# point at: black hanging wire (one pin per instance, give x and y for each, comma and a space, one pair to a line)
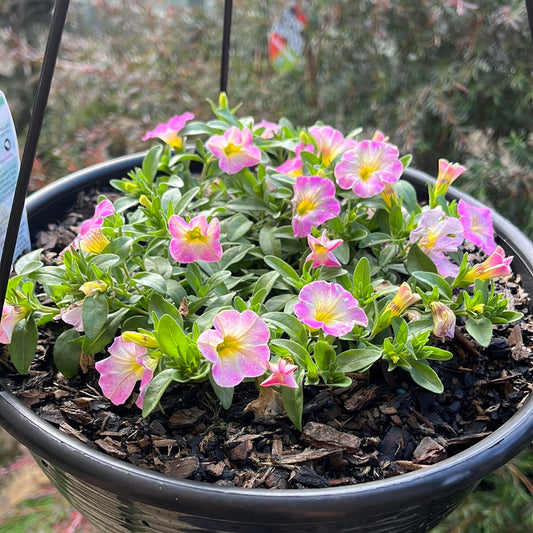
224, 61
529, 9
32, 139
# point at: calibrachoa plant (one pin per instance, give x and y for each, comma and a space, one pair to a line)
246, 250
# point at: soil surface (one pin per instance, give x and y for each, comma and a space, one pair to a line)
382, 425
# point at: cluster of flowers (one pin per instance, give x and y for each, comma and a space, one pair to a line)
290, 256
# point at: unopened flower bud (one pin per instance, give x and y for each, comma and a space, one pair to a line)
443, 320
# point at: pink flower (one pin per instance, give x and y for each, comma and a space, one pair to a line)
270, 129
72, 315
330, 143
237, 347
443, 320
313, 203
196, 240
90, 237
11, 316
477, 225
403, 299
495, 266
437, 234
322, 251
293, 167
448, 173
169, 132
368, 168
119, 372
329, 306
282, 372
234, 150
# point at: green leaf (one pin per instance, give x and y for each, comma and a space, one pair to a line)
67, 353
156, 388
105, 336
293, 348
425, 376
480, 329
24, 340
432, 279
152, 281
293, 401
270, 245
287, 323
418, 260
94, 314
159, 306
324, 355
171, 338
283, 268
224, 394
185, 200
357, 360
150, 163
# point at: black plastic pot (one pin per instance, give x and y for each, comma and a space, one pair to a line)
117, 497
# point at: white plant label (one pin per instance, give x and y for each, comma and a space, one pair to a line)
9, 170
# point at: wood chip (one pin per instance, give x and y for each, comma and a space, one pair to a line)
429, 452
182, 468
324, 436
111, 447
185, 417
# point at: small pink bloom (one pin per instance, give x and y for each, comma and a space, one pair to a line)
11, 316
322, 251
293, 167
313, 203
237, 347
270, 129
436, 234
443, 320
72, 315
234, 150
329, 306
477, 225
368, 168
495, 266
119, 372
330, 143
168, 132
282, 372
90, 237
448, 173
380, 137
196, 240
403, 299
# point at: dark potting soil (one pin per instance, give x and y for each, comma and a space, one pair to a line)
383, 425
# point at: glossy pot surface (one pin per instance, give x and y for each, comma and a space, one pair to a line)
118, 497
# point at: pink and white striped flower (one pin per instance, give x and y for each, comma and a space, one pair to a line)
234, 150
328, 306
313, 203
368, 167
322, 251
437, 234
11, 316
477, 225
237, 347
495, 266
282, 374
194, 240
127, 364
330, 143
168, 132
448, 173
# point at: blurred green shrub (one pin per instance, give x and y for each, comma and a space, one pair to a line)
439, 83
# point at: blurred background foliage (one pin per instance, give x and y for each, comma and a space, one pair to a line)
442, 78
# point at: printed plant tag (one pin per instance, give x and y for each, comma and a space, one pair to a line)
9, 170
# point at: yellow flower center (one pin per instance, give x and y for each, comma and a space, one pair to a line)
228, 347
196, 235
366, 172
305, 206
232, 149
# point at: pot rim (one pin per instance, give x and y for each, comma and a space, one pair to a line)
465, 468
